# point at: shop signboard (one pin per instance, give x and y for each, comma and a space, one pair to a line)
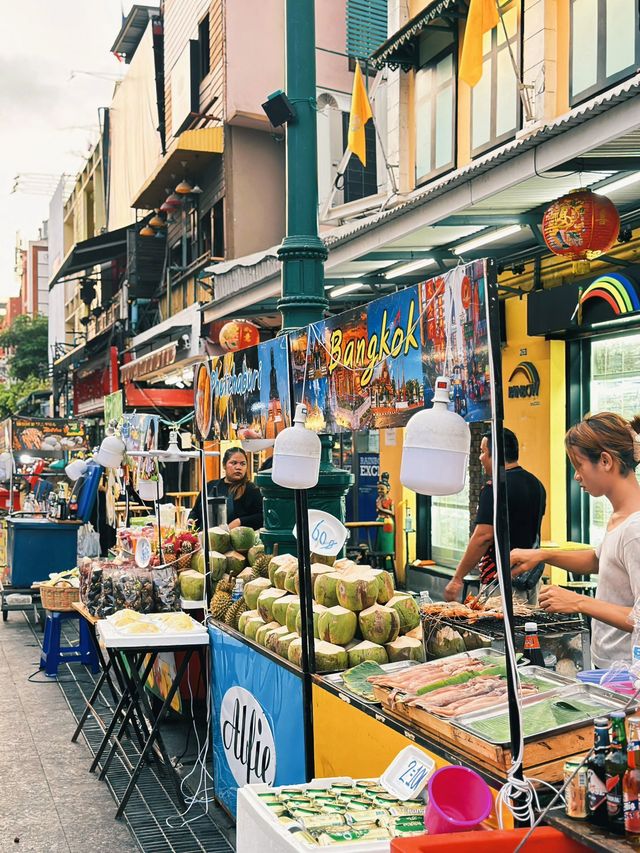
249, 390
372, 367
113, 406
257, 705
368, 476
47, 436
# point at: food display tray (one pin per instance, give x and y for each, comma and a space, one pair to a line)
337, 681
574, 691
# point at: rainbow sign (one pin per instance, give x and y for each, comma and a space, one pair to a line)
615, 289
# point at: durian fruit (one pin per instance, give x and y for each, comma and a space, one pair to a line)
227, 584
233, 613
220, 602
261, 566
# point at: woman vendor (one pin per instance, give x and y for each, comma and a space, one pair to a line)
244, 501
604, 449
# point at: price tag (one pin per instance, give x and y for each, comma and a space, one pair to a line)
408, 773
327, 535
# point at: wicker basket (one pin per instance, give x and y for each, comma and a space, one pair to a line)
59, 597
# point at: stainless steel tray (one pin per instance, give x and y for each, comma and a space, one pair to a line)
337, 681
553, 678
575, 690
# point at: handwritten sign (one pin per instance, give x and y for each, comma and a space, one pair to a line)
408, 773
247, 738
327, 535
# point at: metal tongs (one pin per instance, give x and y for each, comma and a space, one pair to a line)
476, 602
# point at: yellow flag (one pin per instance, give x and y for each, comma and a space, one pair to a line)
481, 17
360, 115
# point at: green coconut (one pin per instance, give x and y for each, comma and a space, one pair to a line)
253, 589
219, 539
407, 609
294, 651
290, 579
279, 608
317, 569
263, 631
386, 589
254, 552
405, 648
197, 562
330, 657
322, 558
283, 642
192, 585
379, 624
280, 576
217, 564
242, 538
343, 564
324, 589
366, 650
275, 635
265, 603
444, 642
357, 589
236, 562
317, 610
244, 618
277, 562
292, 613
337, 625
251, 626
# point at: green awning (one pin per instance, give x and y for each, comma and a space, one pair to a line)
401, 49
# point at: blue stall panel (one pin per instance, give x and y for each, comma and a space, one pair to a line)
257, 721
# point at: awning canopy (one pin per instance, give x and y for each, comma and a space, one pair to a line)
89, 253
132, 30
150, 363
193, 150
401, 50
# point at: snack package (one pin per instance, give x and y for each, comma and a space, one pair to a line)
92, 588
166, 589
133, 590
107, 604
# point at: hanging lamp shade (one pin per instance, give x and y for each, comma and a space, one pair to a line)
296, 455
147, 231
435, 455
174, 199
156, 221
581, 225
184, 187
238, 334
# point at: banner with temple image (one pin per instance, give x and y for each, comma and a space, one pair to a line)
250, 395
372, 367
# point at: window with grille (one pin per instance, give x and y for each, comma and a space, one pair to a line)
366, 26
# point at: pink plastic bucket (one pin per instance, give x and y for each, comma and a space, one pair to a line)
459, 800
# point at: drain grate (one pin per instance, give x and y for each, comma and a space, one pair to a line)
151, 803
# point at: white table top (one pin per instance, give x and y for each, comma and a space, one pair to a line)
111, 638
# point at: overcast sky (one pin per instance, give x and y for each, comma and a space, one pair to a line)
49, 117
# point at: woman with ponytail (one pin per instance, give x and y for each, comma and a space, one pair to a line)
604, 450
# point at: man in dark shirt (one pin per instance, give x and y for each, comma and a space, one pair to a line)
526, 503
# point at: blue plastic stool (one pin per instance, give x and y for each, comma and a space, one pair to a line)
53, 654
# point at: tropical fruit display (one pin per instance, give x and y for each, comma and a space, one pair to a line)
357, 589
236, 562
242, 538
252, 590
337, 625
191, 585
405, 648
266, 600
317, 610
407, 609
379, 624
360, 652
219, 539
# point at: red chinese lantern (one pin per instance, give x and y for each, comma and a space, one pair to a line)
238, 334
581, 225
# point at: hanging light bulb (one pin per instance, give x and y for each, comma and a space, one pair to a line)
156, 221
147, 231
296, 454
436, 448
184, 187
196, 190
112, 449
173, 453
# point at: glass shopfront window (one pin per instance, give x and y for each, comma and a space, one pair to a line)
614, 387
450, 527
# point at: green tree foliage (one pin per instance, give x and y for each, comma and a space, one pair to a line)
27, 337
13, 392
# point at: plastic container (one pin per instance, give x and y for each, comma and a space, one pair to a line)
459, 800
619, 682
543, 839
408, 774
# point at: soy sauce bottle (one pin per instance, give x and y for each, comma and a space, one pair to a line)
616, 766
532, 650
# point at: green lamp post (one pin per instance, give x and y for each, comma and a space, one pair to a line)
302, 254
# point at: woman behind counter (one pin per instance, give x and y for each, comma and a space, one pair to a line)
244, 501
604, 449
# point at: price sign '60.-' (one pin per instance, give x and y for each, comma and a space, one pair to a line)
327, 535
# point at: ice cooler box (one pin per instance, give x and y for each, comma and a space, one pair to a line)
36, 547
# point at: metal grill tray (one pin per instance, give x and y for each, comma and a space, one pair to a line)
573, 691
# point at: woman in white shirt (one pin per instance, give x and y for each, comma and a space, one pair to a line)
604, 449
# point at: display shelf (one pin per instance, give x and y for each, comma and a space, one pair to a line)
591, 836
436, 747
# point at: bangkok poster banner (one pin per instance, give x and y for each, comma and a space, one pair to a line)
374, 366
250, 393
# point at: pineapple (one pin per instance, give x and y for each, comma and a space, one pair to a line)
261, 566
233, 613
